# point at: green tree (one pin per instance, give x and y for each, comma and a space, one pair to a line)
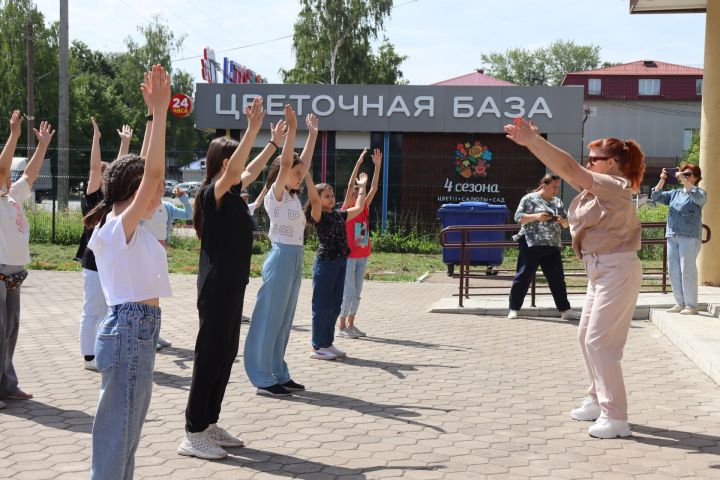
692, 155
332, 44
542, 66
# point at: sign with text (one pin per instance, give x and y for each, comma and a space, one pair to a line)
180, 105
395, 108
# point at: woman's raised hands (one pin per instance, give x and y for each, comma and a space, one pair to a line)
156, 88
15, 123
45, 133
522, 132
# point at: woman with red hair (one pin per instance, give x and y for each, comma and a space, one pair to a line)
606, 236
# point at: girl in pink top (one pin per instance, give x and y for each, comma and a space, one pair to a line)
606, 236
358, 238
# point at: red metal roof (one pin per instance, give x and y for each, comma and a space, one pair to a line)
643, 67
476, 79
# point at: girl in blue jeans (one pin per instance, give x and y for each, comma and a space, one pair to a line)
683, 232
132, 267
330, 263
358, 237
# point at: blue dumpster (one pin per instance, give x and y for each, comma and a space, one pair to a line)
474, 213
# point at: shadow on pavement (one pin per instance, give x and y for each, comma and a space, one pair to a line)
49, 416
662, 437
295, 467
396, 369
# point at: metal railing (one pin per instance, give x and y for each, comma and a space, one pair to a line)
466, 244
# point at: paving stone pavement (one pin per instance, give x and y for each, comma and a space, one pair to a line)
425, 396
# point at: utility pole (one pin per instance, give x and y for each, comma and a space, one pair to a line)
30, 115
63, 171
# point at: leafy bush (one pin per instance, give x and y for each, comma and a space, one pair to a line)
652, 213
68, 226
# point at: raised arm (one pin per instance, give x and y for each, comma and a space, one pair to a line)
236, 165
177, 213
311, 121
95, 173
125, 137
353, 176
556, 159
148, 124
359, 206
44, 136
254, 168
313, 198
8, 150
260, 198
286, 158
156, 93
377, 161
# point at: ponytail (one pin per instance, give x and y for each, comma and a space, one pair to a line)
546, 179
97, 214
120, 182
629, 156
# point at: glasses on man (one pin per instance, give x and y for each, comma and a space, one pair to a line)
594, 158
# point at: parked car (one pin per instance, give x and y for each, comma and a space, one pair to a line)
43, 183
191, 188
169, 186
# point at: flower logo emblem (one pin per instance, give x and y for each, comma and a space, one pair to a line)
472, 160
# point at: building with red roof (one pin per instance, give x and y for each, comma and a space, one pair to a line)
478, 78
656, 103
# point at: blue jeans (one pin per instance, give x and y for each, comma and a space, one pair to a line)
354, 277
682, 256
125, 356
328, 286
267, 339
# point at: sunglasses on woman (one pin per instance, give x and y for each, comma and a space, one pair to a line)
687, 174
593, 159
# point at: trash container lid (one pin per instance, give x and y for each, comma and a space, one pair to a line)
475, 205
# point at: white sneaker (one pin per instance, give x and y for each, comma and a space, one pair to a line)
606, 427
588, 410
220, 437
689, 311
513, 314
164, 343
570, 314
197, 445
357, 331
90, 365
338, 353
323, 354
346, 333
676, 309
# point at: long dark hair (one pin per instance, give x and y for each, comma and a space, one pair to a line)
219, 149
547, 179
275, 171
320, 187
121, 179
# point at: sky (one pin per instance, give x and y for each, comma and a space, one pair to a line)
441, 38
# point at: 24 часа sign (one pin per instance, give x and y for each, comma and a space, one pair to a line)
395, 108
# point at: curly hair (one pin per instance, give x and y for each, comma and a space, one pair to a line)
121, 179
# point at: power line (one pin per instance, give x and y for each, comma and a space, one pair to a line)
236, 48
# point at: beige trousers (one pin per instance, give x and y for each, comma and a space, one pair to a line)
613, 285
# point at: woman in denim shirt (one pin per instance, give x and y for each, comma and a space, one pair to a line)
683, 233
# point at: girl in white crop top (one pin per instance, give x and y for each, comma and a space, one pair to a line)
133, 272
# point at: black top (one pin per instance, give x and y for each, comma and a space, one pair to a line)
84, 255
225, 246
332, 237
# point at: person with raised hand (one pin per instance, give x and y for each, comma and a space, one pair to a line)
358, 236
125, 137
133, 272
272, 318
606, 237
331, 261
224, 226
14, 247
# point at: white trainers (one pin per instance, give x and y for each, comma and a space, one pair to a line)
338, 353
346, 333
689, 311
220, 437
606, 427
588, 410
198, 445
513, 314
323, 354
90, 365
357, 331
570, 314
676, 309
164, 343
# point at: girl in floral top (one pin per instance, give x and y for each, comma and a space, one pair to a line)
330, 263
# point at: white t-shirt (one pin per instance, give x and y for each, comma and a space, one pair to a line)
129, 272
14, 228
287, 220
252, 207
157, 225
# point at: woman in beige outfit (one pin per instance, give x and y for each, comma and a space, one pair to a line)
606, 237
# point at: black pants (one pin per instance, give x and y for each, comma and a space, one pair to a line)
215, 350
529, 259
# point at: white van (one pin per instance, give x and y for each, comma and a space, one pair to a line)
43, 183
